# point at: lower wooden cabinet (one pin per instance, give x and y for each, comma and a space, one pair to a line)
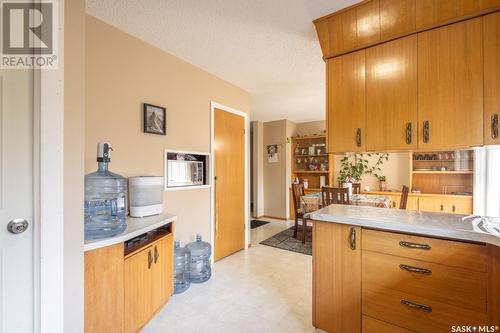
374, 281
148, 282
453, 204
103, 290
336, 277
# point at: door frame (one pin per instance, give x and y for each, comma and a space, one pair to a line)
214, 105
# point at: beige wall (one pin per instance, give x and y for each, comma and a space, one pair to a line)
396, 169
311, 127
275, 173
122, 73
74, 141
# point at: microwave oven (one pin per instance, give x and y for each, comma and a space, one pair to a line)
184, 173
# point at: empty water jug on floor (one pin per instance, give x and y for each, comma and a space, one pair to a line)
105, 198
182, 261
200, 260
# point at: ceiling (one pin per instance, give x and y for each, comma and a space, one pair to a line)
266, 47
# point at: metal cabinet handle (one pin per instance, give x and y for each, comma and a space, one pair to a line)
352, 239
453, 208
417, 306
409, 133
427, 130
441, 207
414, 269
358, 137
150, 259
494, 126
414, 245
157, 254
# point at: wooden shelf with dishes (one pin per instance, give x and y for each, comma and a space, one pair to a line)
311, 163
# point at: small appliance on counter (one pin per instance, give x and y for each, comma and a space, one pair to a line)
185, 170
146, 196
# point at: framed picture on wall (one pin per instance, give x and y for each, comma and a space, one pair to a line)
155, 119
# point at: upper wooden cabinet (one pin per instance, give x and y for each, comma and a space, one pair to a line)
391, 95
396, 17
450, 86
368, 22
374, 21
491, 44
346, 103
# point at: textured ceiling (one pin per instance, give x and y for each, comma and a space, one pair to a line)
266, 47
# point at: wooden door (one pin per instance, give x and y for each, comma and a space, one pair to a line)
346, 103
396, 17
491, 44
229, 172
391, 95
431, 204
336, 277
138, 289
450, 86
368, 22
431, 12
103, 289
162, 271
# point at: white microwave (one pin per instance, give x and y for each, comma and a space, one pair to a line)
184, 173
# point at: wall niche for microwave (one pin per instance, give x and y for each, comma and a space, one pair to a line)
186, 170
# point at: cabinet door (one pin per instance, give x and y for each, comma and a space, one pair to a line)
138, 289
450, 86
458, 205
431, 204
491, 46
368, 22
396, 17
346, 103
337, 277
431, 12
342, 31
391, 95
162, 271
104, 289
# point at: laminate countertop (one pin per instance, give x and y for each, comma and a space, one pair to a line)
135, 227
449, 226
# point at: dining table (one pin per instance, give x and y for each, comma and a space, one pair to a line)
312, 201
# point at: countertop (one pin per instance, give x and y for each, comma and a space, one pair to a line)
450, 226
135, 227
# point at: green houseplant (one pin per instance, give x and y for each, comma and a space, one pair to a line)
354, 166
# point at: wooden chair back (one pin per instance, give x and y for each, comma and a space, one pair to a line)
334, 195
356, 188
297, 192
404, 197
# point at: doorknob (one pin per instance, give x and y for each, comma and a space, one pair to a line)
17, 226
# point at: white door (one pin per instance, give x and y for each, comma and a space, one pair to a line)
16, 201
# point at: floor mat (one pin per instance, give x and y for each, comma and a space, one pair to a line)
285, 241
257, 223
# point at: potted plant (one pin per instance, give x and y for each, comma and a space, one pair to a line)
354, 166
382, 183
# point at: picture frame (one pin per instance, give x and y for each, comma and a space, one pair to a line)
154, 119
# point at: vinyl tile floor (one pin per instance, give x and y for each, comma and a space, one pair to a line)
262, 289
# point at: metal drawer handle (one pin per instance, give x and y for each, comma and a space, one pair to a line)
417, 306
409, 134
414, 245
414, 269
427, 130
358, 137
150, 259
157, 254
352, 239
494, 126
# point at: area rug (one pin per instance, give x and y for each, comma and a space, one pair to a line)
257, 223
285, 241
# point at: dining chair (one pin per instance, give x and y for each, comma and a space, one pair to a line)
297, 193
334, 195
356, 188
404, 197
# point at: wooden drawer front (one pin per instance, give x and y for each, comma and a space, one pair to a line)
371, 325
387, 305
454, 286
450, 253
